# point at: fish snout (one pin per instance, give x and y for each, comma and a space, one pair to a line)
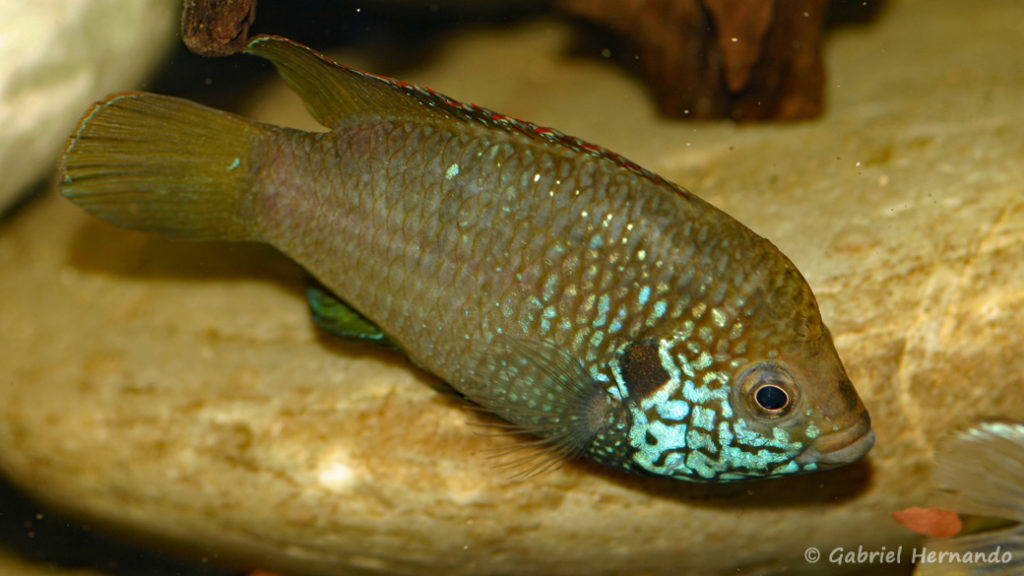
838, 448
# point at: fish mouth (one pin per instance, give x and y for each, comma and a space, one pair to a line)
840, 448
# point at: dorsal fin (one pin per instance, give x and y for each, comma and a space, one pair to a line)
336, 94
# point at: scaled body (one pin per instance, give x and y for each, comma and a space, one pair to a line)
558, 285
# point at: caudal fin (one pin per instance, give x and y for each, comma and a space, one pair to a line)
165, 165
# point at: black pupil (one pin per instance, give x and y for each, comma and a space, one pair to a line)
771, 397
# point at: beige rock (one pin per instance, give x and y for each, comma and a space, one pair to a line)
179, 390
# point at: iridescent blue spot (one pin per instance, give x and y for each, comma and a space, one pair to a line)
746, 436
724, 433
674, 462
787, 468
673, 410
703, 418
719, 317
780, 435
687, 330
638, 433
588, 302
603, 305
550, 287
668, 437
697, 440
643, 295
687, 367
700, 464
703, 394
659, 308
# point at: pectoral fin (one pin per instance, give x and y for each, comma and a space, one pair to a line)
542, 390
338, 319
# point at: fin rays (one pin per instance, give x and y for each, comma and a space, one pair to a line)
981, 471
543, 392
162, 164
333, 93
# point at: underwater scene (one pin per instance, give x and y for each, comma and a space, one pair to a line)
495, 287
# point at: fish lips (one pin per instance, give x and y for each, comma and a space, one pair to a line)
839, 448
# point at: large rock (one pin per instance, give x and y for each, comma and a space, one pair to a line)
179, 390
56, 57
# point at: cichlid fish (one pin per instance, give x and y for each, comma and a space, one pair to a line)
572, 293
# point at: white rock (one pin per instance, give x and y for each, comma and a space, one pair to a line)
57, 57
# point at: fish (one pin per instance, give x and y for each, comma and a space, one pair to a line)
979, 471
585, 301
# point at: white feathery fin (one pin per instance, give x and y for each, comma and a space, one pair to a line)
541, 390
981, 472
165, 165
333, 93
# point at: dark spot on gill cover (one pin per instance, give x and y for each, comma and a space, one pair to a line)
849, 395
641, 369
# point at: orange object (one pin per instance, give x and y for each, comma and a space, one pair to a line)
930, 521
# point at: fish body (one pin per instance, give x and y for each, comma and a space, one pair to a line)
560, 286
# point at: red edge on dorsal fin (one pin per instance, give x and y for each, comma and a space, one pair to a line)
495, 120
334, 92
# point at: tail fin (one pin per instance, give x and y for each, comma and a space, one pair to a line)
164, 165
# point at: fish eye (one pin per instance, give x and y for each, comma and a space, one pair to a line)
768, 389
771, 397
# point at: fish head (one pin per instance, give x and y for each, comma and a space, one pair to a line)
750, 388
800, 399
